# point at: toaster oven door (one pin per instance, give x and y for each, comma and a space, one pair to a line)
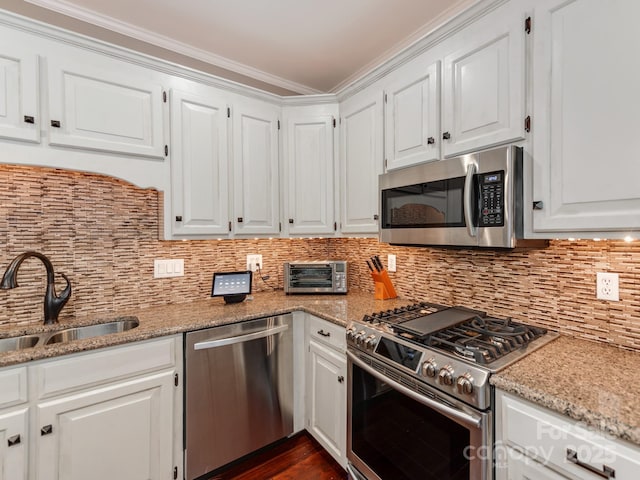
310, 278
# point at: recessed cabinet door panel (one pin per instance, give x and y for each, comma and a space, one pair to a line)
585, 152
19, 95
413, 118
129, 424
310, 175
199, 165
13, 444
256, 170
106, 110
483, 88
361, 163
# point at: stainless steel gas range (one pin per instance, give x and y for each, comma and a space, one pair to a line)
419, 399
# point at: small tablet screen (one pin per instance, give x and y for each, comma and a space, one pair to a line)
231, 283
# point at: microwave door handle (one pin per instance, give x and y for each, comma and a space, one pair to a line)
468, 200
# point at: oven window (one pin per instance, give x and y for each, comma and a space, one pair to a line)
401, 439
424, 205
311, 276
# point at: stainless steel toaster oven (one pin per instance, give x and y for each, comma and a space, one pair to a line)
326, 276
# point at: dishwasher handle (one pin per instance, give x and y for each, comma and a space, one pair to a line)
220, 342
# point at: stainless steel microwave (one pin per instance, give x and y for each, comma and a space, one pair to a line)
328, 276
473, 200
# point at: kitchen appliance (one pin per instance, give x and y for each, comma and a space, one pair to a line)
232, 286
470, 201
238, 391
419, 400
326, 276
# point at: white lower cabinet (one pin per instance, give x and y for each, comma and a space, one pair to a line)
114, 413
326, 408
13, 444
535, 443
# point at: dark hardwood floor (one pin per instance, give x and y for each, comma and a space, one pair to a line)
297, 458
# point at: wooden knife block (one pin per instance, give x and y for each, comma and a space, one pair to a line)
383, 286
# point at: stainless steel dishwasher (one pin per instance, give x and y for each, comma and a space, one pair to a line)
238, 391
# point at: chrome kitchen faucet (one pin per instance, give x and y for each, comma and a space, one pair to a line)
52, 302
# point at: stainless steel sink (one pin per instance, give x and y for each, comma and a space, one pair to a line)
89, 331
18, 343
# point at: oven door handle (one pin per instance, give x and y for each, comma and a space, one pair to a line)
468, 200
462, 417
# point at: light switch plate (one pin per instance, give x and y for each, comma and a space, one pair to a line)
166, 268
391, 263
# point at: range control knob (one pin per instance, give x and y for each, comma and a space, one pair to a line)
445, 376
370, 342
465, 384
430, 368
351, 333
360, 337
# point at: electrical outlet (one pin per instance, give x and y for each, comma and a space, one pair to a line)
391, 263
165, 268
607, 286
253, 261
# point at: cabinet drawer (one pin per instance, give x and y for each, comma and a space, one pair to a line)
327, 332
101, 366
14, 386
553, 439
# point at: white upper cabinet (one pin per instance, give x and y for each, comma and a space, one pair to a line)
361, 138
108, 106
199, 163
309, 162
483, 84
586, 72
412, 120
255, 168
19, 112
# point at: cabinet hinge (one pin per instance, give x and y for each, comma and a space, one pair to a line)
385, 163
278, 124
385, 98
176, 380
175, 473
228, 112
527, 25
164, 97
166, 150
335, 226
280, 226
334, 123
527, 124
229, 226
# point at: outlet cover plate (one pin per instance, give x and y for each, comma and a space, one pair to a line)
607, 286
391, 262
253, 261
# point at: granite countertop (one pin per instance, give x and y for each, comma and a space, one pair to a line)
592, 383
209, 312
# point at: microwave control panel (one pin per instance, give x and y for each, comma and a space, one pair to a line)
491, 199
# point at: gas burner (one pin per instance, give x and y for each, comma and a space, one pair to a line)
402, 314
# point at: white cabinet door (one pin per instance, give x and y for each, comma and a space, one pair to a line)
327, 399
310, 175
360, 164
412, 119
122, 431
255, 169
520, 467
199, 164
586, 72
19, 114
13, 444
483, 84
101, 104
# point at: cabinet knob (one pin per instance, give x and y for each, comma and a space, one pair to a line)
431, 141
375, 217
446, 136
46, 430
291, 220
29, 119
239, 219
55, 123
538, 205
340, 379
178, 218
15, 440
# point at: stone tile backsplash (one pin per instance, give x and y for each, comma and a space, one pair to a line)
103, 233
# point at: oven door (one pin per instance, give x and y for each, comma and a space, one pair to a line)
396, 433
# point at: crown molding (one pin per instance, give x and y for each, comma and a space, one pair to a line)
124, 28
320, 99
